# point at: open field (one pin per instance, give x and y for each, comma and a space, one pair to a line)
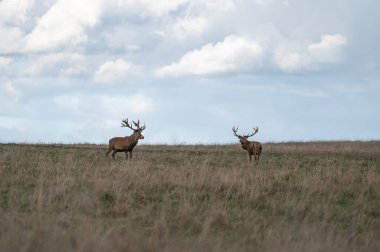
316, 196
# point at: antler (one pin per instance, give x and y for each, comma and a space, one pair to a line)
138, 125
255, 130
235, 131
124, 123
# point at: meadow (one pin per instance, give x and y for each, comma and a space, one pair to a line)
318, 196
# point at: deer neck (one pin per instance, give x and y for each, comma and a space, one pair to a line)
134, 137
245, 145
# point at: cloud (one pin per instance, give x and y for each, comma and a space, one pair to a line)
178, 20
140, 103
4, 62
14, 13
188, 26
156, 8
117, 70
67, 64
233, 54
106, 105
9, 91
64, 24
12, 41
330, 50
161, 8
269, 2
120, 106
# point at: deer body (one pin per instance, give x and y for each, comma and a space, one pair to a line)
252, 147
125, 144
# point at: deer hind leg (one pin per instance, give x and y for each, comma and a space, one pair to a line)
126, 155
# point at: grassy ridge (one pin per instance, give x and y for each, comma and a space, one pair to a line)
302, 197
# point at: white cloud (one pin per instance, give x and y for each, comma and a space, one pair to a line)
12, 41
140, 103
56, 62
186, 27
12, 12
288, 61
106, 105
4, 62
74, 71
9, 91
144, 8
213, 5
65, 23
122, 36
161, 8
233, 54
196, 19
117, 70
330, 50
269, 2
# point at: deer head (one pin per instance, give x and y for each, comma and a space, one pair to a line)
137, 130
244, 138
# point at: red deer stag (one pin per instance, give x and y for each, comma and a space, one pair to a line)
253, 148
126, 144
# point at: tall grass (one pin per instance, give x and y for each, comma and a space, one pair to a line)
301, 197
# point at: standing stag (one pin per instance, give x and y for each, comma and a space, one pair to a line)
126, 144
252, 147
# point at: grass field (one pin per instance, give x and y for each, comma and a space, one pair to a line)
318, 196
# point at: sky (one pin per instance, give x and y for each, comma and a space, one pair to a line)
71, 70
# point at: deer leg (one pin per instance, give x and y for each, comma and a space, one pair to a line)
130, 154
108, 151
126, 155
113, 154
256, 159
250, 157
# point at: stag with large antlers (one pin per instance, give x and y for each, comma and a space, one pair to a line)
126, 144
252, 147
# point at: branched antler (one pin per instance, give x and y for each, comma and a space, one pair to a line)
138, 125
124, 123
255, 130
235, 131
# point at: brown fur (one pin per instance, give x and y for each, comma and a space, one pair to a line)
252, 147
125, 144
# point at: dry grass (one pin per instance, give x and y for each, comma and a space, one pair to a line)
302, 197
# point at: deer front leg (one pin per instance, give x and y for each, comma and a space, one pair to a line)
126, 155
256, 158
108, 151
250, 157
113, 154
130, 154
